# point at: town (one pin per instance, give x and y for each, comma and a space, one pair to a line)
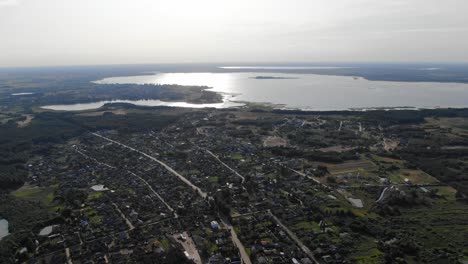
235, 187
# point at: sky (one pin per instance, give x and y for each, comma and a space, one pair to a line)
85, 32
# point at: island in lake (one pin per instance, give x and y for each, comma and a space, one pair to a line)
272, 78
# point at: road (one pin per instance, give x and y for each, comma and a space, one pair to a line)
133, 174
167, 167
244, 256
104, 236
225, 165
382, 194
341, 125
93, 159
67, 254
235, 239
293, 236
190, 247
306, 176
156, 193
129, 224
251, 213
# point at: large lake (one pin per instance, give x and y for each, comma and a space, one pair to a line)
305, 91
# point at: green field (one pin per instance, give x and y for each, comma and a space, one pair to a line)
33, 193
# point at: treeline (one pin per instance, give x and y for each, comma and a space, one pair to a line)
333, 157
17, 145
445, 165
129, 123
92, 92
386, 117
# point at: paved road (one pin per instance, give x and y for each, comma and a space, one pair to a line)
167, 167
307, 176
293, 236
235, 239
156, 193
382, 195
133, 174
244, 256
225, 165
129, 224
91, 158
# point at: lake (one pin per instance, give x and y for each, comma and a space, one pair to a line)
87, 106
99, 188
300, 91
46, 230
3, 228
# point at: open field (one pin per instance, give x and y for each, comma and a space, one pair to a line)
350, 166
387, 159
414, 176
34, 193
457, 126
366, 251
273, 141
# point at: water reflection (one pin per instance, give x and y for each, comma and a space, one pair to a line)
222, 81
3, 228
95, 105
316, 92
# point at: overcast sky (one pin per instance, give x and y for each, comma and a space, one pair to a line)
72, 32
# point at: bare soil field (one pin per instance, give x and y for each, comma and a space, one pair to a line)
273, 141
25, 122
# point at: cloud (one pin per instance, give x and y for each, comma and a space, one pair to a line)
9, 2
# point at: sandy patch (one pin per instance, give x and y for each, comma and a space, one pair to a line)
25, 122
273, 141
390, 144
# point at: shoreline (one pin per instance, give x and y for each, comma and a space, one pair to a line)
230, 104
225, 100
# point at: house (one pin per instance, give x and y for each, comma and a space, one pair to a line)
214, 225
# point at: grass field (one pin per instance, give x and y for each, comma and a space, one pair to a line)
457, 125
213, 179
415, 176
386, 159
34, 193
365, 251
95, 195
351, 166
432, 232
236, 156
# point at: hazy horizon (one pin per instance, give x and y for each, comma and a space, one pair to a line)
119, 32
